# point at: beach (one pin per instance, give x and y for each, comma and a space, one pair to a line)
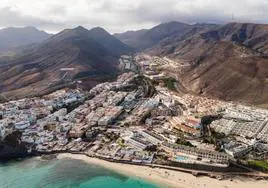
169, 178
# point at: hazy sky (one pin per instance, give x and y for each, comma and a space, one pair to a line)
122, 15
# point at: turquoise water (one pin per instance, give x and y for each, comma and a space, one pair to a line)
34, 173
181, 158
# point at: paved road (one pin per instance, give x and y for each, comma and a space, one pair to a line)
249, 174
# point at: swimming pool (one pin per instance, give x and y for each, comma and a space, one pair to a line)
181, 158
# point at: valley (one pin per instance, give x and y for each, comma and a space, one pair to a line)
226, 62
182, 97
134, 94
219, 61
142, 119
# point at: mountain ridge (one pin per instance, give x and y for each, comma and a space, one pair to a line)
40, 67
227, 62
13, 37
147, 38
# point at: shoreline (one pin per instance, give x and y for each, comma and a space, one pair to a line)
168, 178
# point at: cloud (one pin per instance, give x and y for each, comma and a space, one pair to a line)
59, 10
121, 15
10, 17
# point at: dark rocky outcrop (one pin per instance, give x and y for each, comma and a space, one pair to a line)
12, 147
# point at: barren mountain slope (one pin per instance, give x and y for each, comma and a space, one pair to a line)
40, 69
230, 65
227, 62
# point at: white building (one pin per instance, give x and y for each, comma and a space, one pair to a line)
22, 125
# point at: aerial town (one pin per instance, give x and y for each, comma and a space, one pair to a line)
133, 119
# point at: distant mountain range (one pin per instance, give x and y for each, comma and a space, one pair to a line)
144, 39
15, 37
42, 67
226, 61
229, 61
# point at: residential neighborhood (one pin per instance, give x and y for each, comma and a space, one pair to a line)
128, 121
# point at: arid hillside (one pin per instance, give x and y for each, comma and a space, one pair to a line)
227, 62
70, 55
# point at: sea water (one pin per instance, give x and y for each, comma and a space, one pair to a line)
64, 173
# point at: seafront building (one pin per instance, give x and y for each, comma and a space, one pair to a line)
128, 121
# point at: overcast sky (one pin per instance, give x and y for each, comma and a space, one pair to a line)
122, 15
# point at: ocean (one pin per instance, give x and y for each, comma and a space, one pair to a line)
64, 173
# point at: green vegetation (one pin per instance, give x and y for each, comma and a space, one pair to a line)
217, 135
121, 142
111, 136
184, 142
170, 83
210, 140
214, 140
259, 164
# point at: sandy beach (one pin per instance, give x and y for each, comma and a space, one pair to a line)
169, 178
